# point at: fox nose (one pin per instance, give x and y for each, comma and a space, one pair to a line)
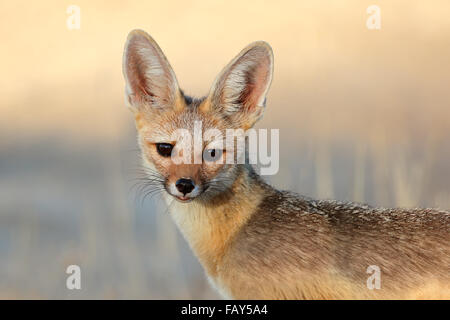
185, 185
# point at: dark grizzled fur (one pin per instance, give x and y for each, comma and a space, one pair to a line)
407, 244
192, 102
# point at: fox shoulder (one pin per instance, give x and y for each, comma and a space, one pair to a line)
291, 237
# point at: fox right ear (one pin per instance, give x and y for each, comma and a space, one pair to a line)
239, 92
150, 80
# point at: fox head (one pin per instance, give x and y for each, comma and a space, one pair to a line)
166, 118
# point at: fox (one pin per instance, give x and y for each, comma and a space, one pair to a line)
252, 240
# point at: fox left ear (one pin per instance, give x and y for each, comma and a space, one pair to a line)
239, 92
150, 80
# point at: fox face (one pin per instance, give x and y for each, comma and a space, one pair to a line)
182, 139
243, 228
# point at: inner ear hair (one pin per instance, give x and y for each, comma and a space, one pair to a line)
149, 77
240, 89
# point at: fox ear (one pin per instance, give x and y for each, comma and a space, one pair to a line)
239, 91
149, 78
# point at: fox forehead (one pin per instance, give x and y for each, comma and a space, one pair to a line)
154, 126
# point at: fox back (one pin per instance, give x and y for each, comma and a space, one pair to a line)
256, 242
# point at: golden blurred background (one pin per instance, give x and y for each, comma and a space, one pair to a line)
363, 115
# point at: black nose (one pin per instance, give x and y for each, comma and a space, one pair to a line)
185, 185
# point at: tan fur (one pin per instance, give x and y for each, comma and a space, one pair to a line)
256, 242
216, 236
211, 228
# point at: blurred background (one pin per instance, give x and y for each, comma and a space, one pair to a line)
363, 115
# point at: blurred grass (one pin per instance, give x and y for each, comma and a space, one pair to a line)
363, 115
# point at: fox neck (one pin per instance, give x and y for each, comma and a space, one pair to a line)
210, 227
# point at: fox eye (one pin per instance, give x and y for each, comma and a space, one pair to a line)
211, 155
164, 149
